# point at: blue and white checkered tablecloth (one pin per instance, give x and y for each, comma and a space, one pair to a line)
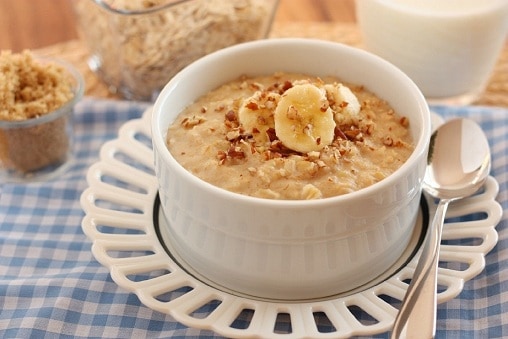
51, 286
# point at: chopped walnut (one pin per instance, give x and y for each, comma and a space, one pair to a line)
271, 134
271, 101
389, 141
339, 133
233, 135
292, 113
190, 122
287, 85
354, 134
404, 121
253, 106
269, 154
262, 121
234, 152
324, 106
231, 116
368, 128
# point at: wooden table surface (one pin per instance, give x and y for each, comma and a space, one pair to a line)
38, 23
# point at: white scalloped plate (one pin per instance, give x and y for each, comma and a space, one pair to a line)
122, 220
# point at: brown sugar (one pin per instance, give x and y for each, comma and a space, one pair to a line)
29, 91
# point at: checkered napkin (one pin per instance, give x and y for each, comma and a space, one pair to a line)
51, 286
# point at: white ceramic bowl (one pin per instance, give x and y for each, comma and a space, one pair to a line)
290, 249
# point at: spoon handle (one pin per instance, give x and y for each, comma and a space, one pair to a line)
417, 315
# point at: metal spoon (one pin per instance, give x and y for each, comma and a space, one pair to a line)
458, 165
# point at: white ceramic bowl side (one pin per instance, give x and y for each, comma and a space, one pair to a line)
290, 249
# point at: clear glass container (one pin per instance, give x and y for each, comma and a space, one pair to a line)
40, 148
137, 46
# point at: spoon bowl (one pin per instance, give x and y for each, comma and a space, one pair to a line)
458, 165
459, 160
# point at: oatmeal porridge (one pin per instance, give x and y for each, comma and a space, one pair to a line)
290, 136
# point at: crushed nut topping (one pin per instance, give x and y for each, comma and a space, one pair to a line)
231, 116
233, 153
366, 147
190, 122
252, 106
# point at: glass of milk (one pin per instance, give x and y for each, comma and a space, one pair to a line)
448, 47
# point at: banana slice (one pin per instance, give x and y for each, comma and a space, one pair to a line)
303, 119
346, 100
256, 114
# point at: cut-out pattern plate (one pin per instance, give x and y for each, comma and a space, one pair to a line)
122, 220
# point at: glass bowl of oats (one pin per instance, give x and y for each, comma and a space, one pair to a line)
294, 176
136, 46
37, 99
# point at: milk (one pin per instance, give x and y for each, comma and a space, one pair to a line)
448, 47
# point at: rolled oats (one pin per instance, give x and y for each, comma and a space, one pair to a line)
137, 54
